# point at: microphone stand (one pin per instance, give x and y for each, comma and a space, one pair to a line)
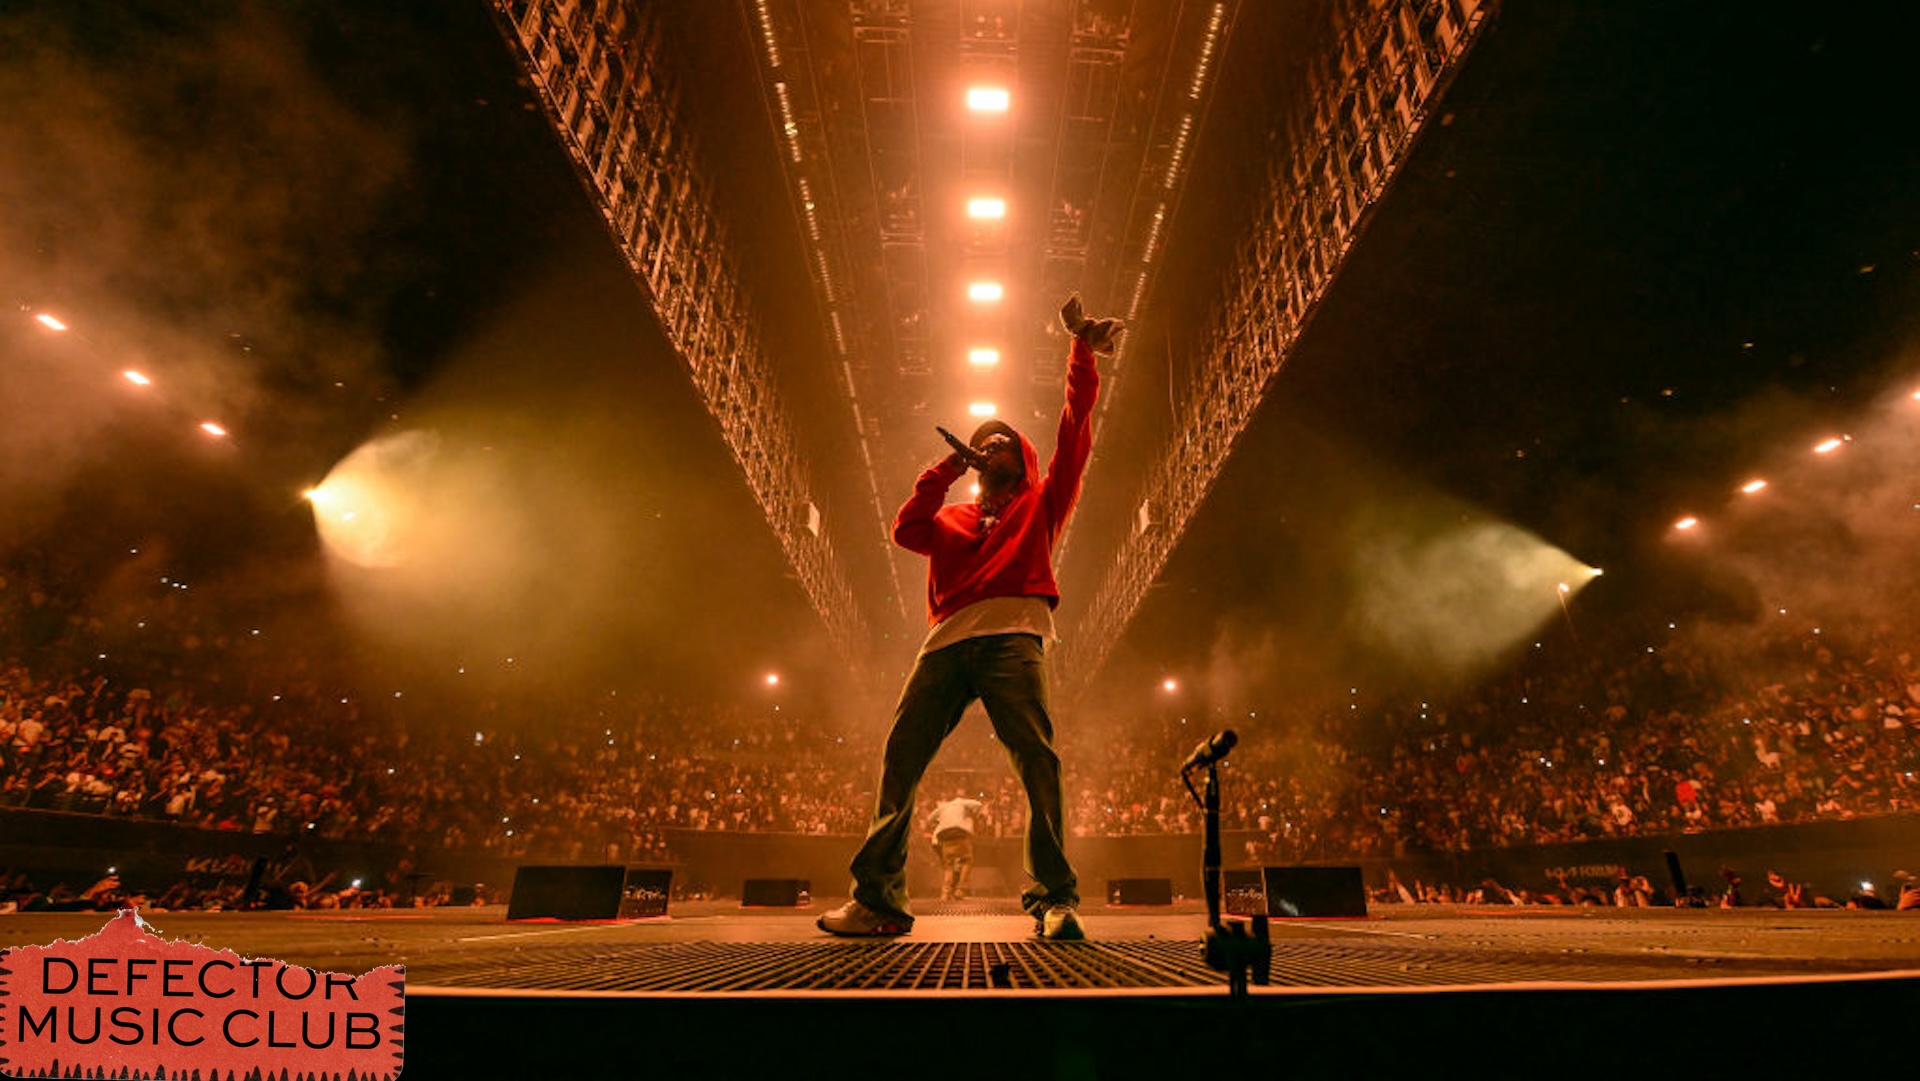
1210, 849
1240, 948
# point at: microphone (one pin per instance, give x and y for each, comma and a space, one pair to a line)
1211, 750
967, 454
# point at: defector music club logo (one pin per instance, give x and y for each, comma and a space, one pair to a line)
126, 1002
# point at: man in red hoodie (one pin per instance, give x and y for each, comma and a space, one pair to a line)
990, 601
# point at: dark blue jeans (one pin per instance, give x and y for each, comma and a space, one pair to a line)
1007, 673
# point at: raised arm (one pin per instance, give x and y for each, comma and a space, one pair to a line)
1073, 444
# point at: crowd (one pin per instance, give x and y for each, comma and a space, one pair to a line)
1656, 740
305, 761
1667, 741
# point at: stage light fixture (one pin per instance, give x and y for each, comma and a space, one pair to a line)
988, 99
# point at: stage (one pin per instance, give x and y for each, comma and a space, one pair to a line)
718, 987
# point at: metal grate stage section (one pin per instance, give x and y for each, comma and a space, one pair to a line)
971, 906
1170, 966
844, 966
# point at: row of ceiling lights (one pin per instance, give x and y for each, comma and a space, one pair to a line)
56, 325
985, 102
1757, 485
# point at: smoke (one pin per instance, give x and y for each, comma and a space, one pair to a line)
1356, 577
1448, 599
1427, 595
1339, 576
1829, 540
555, 510
1253, 663
303, 221
456, 541
469, 541
491, 528
187, 194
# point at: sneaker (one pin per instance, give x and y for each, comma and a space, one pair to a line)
855, 920
1061, 924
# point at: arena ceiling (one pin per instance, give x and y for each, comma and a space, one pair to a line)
1637, 257
1600, 278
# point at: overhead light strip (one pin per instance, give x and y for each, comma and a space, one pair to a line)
1179, 156
1207, 47
766, 33
788, 126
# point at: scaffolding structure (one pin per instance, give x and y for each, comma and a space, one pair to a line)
1110, 94
1352, 122
1152, 191
602, 72
1149, 184
1084, 149
794, 92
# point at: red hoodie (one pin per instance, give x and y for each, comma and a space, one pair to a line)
1015, 557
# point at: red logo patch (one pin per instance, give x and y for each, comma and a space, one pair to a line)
126, 999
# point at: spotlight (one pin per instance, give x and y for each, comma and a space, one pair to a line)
983, 358
986, 208
988, 99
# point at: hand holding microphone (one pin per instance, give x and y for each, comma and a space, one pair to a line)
967, 454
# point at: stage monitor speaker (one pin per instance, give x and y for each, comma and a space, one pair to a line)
609, 892
1139, 891
776, 893
1294, 892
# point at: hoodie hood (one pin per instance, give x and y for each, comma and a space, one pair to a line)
1029, 457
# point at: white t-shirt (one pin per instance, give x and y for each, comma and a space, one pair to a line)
995, 615
955, 814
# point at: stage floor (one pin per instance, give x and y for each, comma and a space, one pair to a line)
715, 990
974, 948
